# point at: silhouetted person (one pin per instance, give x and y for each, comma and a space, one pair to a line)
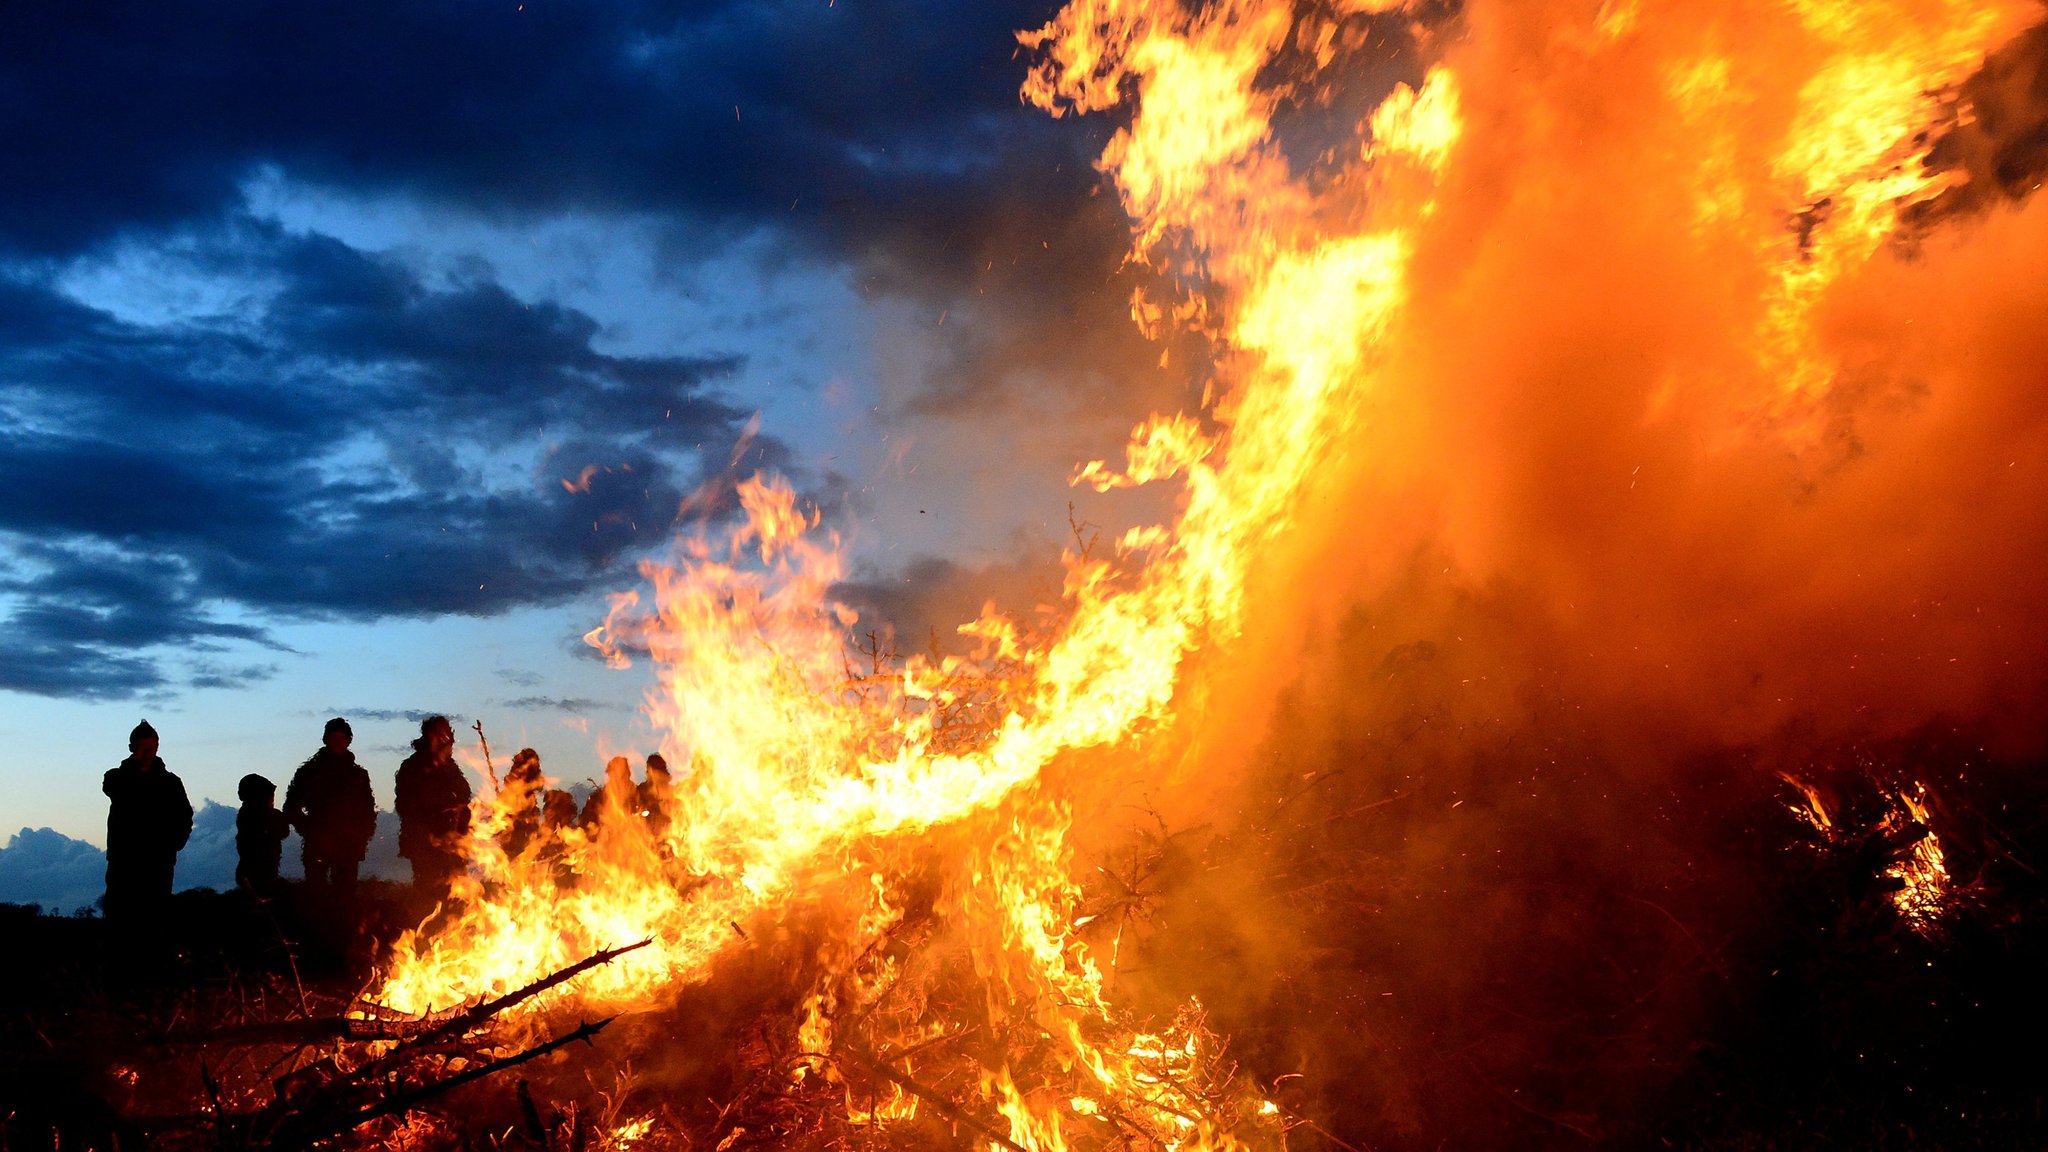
618, 796
148, 821
433, 809
557, 815
557, 812
522, 799
331, 805
657, 794
260, 830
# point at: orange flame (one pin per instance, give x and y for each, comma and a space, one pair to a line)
803, 779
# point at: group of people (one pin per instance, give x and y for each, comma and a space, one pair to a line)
330, 804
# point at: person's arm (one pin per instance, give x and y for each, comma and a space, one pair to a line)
182, 828
294, 811
365, 804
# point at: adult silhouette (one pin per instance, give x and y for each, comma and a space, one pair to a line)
433, 809
148, 821
330, 803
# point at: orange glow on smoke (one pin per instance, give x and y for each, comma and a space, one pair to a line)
1610, 297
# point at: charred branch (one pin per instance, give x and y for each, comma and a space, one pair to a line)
932, 1096
304, 1134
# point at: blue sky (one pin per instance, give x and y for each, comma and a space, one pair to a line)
307, 313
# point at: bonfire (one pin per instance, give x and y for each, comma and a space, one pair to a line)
916, 901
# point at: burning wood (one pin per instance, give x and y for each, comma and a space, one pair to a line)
420, 1059
860, 910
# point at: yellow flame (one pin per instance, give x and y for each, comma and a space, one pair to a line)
806, 781
1925, 886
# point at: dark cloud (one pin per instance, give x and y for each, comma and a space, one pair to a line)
387, 715
356, 440
364, 446
573, 705
728, 111
214, 674
922, 605
885, 135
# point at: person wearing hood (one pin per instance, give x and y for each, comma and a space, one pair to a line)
433, 809
330, 803
149, 819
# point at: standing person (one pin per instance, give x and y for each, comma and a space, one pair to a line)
260, 830
618, 796
331, 805
433, 809
524, 785
148, 821
656, 793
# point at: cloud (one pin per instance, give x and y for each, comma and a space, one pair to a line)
574, 705
214, 421
151, 116
364, 446
208, 858
61, 874
41, 866
387, 715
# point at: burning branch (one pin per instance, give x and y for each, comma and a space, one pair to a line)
473, 1018
402, 1102
932, 1096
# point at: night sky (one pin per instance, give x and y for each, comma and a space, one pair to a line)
351, 354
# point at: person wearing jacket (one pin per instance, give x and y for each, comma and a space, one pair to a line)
148, 821
330, 804
433, 809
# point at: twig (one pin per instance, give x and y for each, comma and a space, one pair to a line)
404, 1101
463, 1022
943, 1037
418, 1031
937, 1100
489, 768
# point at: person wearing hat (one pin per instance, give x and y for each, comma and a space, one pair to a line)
330, 803
148, 821
433, 810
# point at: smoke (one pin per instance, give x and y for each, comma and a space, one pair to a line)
1481, 827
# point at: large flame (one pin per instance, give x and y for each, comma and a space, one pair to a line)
1784, 148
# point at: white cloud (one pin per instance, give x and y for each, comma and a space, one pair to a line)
46, 867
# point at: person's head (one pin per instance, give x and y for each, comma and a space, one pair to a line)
558, 809
256, 790
337, 735
438, 733
142, 741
